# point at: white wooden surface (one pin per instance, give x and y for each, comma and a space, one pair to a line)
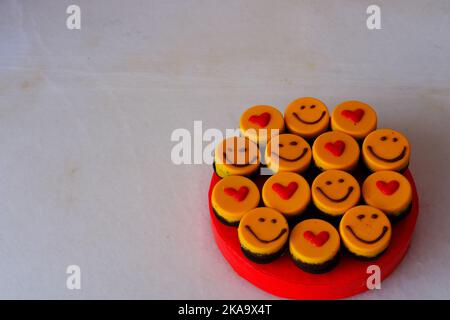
86, 118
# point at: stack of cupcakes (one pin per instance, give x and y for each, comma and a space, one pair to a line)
328, 189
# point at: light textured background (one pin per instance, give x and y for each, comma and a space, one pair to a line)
86, 118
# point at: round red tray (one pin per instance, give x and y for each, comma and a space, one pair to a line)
284, 279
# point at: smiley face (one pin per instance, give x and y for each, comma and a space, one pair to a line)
335, 191
232, 197
260, 123
307, 117
288, 152
365, 231
335, 150
355, 118
236, 156
386, 149
263, 231
388, 191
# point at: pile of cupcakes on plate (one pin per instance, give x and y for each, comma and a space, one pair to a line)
326, 190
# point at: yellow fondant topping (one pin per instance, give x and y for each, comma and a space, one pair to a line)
365, 231
287, 192
259, 123
386, 149
263, 231
305, 243
288, 152
307, 117
388, 191
335, 191
355, 118
335, 150
236, 156
233, 196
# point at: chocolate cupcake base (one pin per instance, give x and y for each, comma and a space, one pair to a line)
317, 268
263, 258
224, 221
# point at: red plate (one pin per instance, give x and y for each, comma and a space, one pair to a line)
283, 278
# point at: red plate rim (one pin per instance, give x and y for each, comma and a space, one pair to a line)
284, 279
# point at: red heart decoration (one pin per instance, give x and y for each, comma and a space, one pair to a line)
285, 192
336, 148
261, 120
354, 116
317, 240
238, 195
388, 188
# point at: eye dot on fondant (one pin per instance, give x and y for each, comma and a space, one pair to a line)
383, 138
302, 107
293, 143
374, 216
341, 180
394, 139
361, 216
274, 220
281, 145
261, 220
328, 182
313, 106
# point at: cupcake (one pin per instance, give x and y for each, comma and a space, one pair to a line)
263, 234
288, 152
386, 149
314, 245
287, 192
334, 192
232, 197
259, 123
365, 232
354, 118
388, 191
236, 156
307, 117
335, 150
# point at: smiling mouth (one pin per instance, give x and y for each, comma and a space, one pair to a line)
385, 229
349, 191
283, 231
397, 158
305, 150
309, 122
240, 165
